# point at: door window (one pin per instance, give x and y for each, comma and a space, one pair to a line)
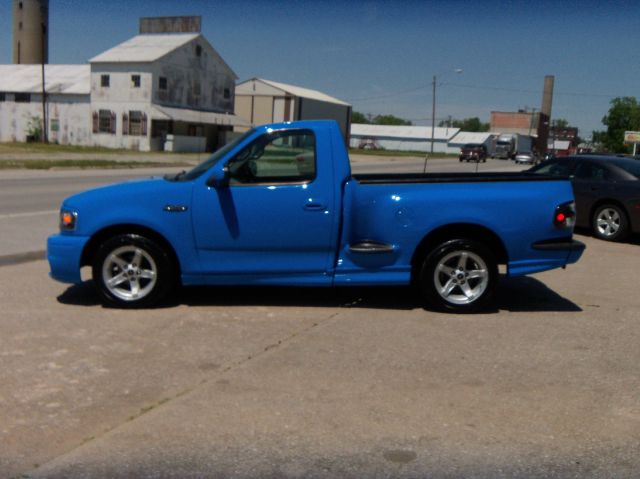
277, 157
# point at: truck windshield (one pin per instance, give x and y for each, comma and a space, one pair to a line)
213, 159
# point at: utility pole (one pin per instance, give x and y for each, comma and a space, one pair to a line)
433, 114
44, 90
433, 107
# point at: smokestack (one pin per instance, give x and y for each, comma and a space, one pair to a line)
30, 31
547, 95
545, 113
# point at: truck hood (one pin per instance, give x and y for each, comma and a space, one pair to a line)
133, 202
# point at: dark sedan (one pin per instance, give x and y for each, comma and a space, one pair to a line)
607, 191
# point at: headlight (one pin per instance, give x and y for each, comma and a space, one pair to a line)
68, 220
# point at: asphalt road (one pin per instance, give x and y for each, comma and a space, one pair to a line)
298, 383
30, 199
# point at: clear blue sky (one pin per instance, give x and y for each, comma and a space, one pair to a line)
381, 55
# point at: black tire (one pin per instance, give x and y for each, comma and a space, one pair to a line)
459, 276
610, 223
132, 271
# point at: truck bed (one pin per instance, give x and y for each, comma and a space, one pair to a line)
395, 178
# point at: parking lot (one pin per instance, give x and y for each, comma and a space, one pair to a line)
282, 382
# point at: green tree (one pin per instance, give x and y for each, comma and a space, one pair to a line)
560, 123
390, 120
623, 115
357, 117
468, 124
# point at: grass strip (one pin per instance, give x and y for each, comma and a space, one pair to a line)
420, 154
83, 164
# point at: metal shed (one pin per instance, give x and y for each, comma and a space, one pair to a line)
261, 101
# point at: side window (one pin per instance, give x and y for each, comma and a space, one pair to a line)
589, 171
278, 157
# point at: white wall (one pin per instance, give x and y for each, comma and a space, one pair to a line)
121, 97
399, 144
185, 72
72, 113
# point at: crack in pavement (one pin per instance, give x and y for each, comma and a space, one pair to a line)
270, 348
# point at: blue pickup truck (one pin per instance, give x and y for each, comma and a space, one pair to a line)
279, 206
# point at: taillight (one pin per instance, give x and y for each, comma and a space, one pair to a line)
565, 215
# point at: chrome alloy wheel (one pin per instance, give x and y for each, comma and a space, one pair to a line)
129, 273
608, 222
461, 277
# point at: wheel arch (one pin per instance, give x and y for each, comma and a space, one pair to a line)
444, 233
100, 236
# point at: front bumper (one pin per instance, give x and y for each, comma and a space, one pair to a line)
64, 253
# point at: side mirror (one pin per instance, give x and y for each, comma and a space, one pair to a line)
219, 178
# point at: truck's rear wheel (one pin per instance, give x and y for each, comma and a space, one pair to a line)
132, 271
459, 276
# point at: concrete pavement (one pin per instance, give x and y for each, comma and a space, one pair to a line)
256, 382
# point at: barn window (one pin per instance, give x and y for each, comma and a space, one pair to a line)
198, 50
104, 80
135, 123
22, 97
3, 96
135, 81
162, 83
106, 122
227, 93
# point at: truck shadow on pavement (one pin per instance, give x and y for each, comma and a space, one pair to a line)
523, 294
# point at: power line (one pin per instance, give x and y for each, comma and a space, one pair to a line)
398, 93
520, 90
486, 87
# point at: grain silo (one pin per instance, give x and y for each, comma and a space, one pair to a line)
30, 31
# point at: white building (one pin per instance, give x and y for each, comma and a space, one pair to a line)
68, 102
402, 138
152, 92
261, 101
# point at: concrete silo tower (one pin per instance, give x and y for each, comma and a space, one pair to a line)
30, 31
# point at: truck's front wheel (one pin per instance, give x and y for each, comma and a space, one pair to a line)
459, 276
131, 271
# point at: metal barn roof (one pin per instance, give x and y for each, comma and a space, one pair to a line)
66, 79
247, 88
144, 48
405, 132
464, 137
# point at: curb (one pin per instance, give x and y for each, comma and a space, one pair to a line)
19, 258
